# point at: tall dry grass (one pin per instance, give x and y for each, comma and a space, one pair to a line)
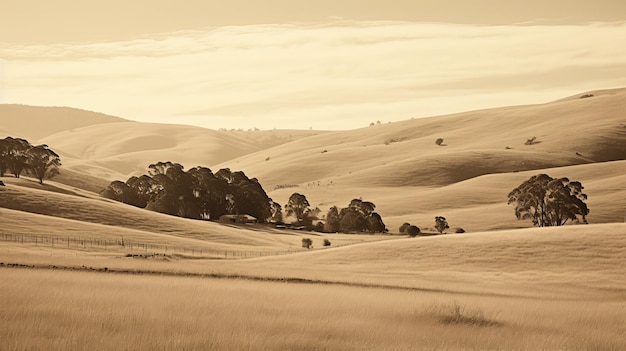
81, 310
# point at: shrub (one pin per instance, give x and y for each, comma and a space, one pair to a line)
439, 141
413, 231
326, 242
460, 230
458, 314
307, 243
404, 227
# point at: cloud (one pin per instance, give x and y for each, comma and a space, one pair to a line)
341, 74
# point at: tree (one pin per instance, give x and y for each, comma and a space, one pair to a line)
549, 201
297, 206
197, 193
277, 212
352, 221
307, 243
413, 231
441, 224
120, 191
16, 158
4, 156
332, 220
404, 227
375, 223
365, 208
43, 163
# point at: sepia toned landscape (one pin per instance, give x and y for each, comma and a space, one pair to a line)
320, 186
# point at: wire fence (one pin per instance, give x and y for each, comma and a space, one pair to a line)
131, 248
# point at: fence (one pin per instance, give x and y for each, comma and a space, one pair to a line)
129, 247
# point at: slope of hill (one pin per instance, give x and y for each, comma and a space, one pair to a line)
568, 132
28, 208
37, 122
398, 166
117, 150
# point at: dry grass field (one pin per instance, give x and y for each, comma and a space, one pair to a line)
197, 285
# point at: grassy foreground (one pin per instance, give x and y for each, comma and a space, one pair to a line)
87, 310
534, 289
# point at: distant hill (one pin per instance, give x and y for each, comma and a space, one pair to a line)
568, 132
398, 166
118, 150
36, 122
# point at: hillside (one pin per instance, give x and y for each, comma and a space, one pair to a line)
118, 150
397, 166
569, 132
37, 122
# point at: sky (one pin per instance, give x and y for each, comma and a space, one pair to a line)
304, 64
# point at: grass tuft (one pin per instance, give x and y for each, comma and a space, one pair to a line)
459, 314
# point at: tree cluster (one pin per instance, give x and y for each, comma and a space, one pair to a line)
359, 216
549, 201
18, 156
197, 193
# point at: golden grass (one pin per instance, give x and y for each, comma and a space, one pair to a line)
111, 311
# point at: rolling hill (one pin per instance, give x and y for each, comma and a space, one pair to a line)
37, 122
397, 166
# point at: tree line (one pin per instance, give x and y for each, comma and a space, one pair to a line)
201, 194
18, 156
358, 217
197, 193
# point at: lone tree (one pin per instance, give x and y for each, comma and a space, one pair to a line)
441, 224
549, 201
297, 206
307, 243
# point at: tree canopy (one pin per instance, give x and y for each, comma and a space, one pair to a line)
359, 216
19, 156
197, 193
441, 224
549, 201
297, 206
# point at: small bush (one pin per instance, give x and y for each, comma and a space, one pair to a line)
404, 227
307, 243
326, 242
413, 231
459, 230
457, 314
584, 96
439, 141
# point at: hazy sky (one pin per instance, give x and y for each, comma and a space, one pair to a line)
299, 64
